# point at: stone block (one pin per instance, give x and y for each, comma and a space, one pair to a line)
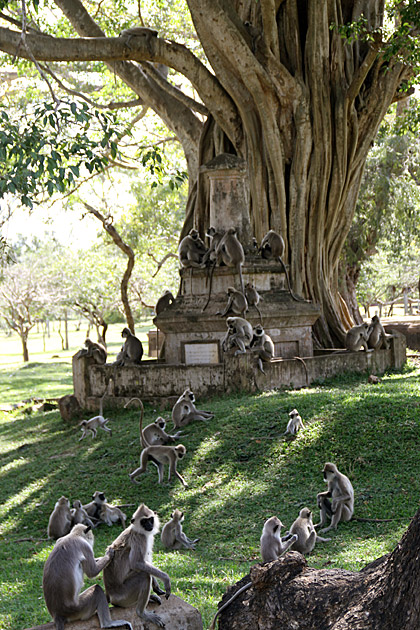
176, 614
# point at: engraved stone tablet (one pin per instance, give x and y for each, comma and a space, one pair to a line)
201, 352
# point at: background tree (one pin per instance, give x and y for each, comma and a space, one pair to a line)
24, 295
283, 88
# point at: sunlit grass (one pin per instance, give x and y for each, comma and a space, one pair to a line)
240, 471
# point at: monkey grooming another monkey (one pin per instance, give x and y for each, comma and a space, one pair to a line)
264, 344
377, 337
158, 455
184, 410
272, 247
215, 237
337, 502
295, 423
93, 349
357, 337
305, 531
128, 578
62, 581
60, 521
237, 303
239, 334
131, 351
272, 545
173, 537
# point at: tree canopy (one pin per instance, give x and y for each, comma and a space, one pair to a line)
297, 89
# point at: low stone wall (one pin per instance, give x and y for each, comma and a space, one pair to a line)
175, 613
162, 384
410, 328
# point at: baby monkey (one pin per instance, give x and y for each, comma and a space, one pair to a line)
97, 422
173, 537
295, 423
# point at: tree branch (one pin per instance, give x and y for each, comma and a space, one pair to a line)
271, 36
110, 229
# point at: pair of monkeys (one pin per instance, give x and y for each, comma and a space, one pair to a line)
241, 335
367, 336
156, 443
128, 572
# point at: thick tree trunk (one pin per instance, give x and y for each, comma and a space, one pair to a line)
385, 595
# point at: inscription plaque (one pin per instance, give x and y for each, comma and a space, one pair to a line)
201, 352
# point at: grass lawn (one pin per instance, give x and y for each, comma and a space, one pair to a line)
239, 469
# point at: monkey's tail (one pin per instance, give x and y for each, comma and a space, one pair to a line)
210, 285
296, 299
226, 604
143, 441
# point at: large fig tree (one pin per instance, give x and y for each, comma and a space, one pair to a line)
287, 85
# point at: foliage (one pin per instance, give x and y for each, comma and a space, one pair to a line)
50, 148
240, 472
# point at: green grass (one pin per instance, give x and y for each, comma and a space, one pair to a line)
240, 472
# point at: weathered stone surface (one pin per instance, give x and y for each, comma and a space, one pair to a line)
176, 614
162, 384
410, 328
69, 407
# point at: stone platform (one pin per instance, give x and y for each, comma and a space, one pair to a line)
162, 384
176, 614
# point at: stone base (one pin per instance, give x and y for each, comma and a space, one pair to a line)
176, 614
162, 384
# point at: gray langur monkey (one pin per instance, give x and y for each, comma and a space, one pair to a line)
173, 537
264, 345
111, 514
155, 433
131, 351
272, 545
305, 531
377, 338
337, 502
139, 31
79, 515
130, 576
165, 300
62, 581
60, 521
93, 350
97, 422
158, 455
295, 423
184, 410
230, 252
357, 337
253, 297
237, 303
215, 237
191, 250
94, 507
272, 247
239, 335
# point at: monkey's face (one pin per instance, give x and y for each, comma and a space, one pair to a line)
258, 330
178, 515
180, 450
145, 520
194, 234
329, 472
161, 423
125, 333
98, 497
147, 523
273, 525
294, 413
63, 501
305, 513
